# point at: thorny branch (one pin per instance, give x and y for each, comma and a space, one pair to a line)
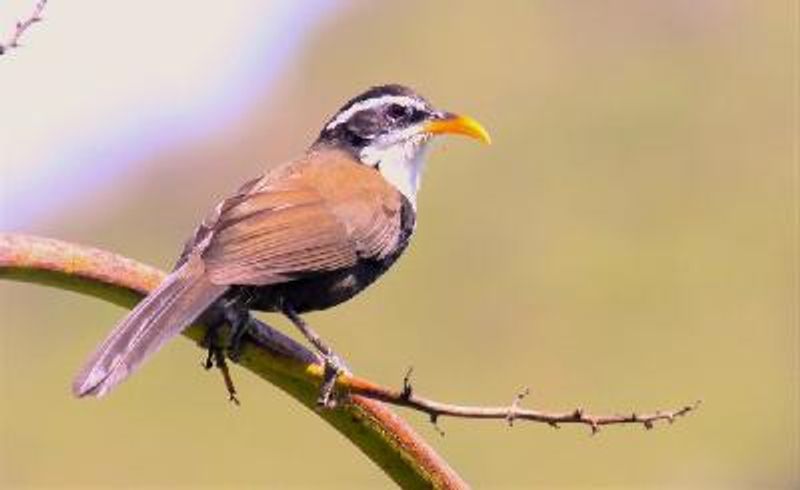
406, 397
22, 26
348, 386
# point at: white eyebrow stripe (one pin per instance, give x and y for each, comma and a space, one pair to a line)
376, 102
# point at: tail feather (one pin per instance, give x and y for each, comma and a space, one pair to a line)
174, 305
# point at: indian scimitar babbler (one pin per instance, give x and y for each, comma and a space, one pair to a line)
304, 236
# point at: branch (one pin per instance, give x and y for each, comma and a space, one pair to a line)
510, 413
380, 434
22, 26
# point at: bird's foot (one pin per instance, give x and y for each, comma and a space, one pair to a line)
216, 357
334, 366
222, 365
211, 343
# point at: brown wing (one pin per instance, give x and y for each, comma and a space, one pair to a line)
319, 214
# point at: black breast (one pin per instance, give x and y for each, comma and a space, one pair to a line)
321, 291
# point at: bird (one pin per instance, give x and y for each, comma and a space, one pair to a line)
306, 235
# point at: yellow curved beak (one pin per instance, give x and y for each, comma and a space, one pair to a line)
455, 124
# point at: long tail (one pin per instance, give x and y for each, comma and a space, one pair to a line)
174, 305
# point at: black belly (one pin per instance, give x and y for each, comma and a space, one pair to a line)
316, 292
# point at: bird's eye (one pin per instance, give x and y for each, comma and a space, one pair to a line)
397, 111
417, 116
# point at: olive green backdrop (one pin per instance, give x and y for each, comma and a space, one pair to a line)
629, 242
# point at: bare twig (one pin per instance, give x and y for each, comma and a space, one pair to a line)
22, 26
405, 397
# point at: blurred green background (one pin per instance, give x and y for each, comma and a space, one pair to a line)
629, 242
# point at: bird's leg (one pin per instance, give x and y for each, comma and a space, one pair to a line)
235, 313
334, 366
211, 343
216, 357
222, 364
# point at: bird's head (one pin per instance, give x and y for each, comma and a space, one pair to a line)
388, 127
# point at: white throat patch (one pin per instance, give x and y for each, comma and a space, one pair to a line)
400, 163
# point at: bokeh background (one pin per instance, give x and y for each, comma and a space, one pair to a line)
628, 243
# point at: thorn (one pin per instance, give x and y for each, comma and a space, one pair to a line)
648, 424
407, 388
554, 425
512, 410
595, 427
577, 414
434, 421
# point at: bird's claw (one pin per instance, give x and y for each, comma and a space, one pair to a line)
334, 366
